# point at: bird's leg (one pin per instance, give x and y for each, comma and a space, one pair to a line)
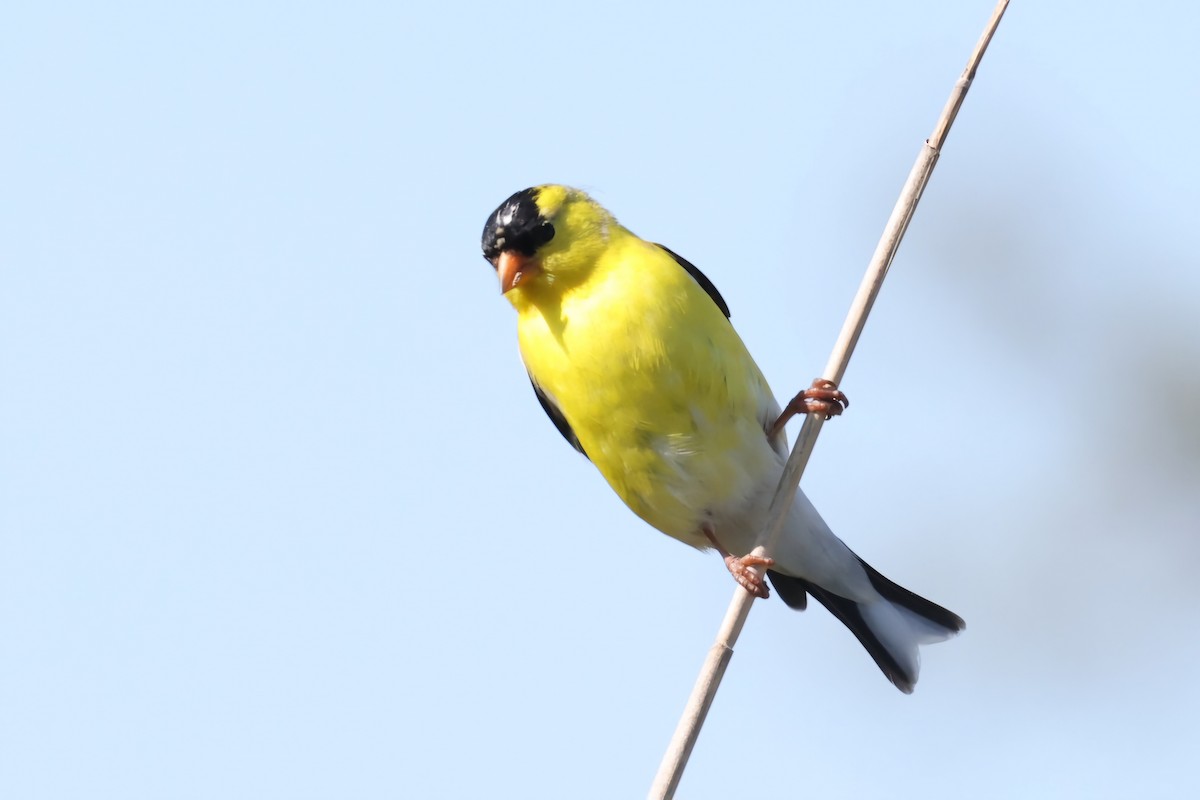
822, 397
740, 567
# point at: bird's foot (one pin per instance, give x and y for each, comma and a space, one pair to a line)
741, 568
823, 397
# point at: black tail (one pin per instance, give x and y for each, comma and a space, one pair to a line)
794, 591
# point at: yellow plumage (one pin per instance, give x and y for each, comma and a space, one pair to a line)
647, 370
633, 357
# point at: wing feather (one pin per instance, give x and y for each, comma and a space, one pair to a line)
700, 278
556, 416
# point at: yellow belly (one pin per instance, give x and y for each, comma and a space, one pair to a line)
659, 388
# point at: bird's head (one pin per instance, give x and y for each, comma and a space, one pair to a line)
546, 236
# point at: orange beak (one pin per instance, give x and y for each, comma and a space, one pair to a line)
513, 268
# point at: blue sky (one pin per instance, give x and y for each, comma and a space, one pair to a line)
280, 517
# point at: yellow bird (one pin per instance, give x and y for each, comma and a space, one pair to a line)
633, 357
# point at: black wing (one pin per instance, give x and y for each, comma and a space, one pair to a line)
556, 416
701, 279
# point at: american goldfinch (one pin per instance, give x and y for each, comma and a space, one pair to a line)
632, 355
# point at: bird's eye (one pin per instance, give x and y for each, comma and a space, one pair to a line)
542, 234
516, 225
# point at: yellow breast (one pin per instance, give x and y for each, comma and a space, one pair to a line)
657, 385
